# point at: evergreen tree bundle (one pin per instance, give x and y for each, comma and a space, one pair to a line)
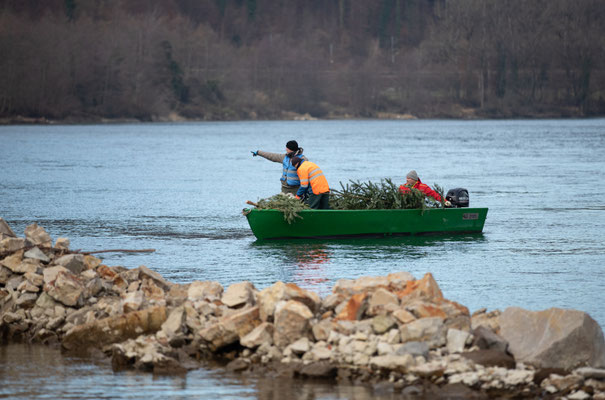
384, 195
288, 205
355, 195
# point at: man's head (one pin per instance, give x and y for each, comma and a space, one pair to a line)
411, 177
296, 161
291, 146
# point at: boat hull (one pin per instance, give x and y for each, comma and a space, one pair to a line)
270, 224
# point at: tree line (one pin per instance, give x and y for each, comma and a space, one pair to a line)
238, 59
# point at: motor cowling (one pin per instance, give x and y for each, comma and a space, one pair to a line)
458, 197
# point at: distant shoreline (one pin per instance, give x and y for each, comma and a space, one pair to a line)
286, 116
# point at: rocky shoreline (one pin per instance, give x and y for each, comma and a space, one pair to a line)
395, 331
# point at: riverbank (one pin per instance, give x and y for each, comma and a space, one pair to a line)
393, 330
456, 113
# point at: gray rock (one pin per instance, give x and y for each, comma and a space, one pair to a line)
563, 383
579, 395
381, 300
38, 236
300, 346
14, 282
65, 288
393, 362
456, 340
51, 273
206, 290
291, 322
45, 301
73, 262
553, 338
34, 279
62, 243
322, 329
413, 348
26, 300
28, 265
515, 377
145, 272
320, 352
490, 358
27, 286
12, 317
5, 275
131, 301
54, 323
430, 369
5, 229
268, 298
231, 328
174, 323
258, 336
485, 338
430, 330
588, 373
238, 294
384, 348
331, 301
114, 329
10, 245
382, 324
404, 316
36, 254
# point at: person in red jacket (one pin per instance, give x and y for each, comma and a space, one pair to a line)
412, 181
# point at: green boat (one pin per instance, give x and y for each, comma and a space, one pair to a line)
270, 224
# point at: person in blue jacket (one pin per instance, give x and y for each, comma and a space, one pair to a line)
289, 178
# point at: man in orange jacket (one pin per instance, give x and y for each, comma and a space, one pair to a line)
313, 183
412, 181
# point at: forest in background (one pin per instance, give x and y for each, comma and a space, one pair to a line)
158, 60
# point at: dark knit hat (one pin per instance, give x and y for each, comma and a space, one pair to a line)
292, 145
296, 161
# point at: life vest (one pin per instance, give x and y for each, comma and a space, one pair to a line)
289, 174
310, 175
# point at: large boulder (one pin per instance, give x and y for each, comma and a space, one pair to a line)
13, 261
62, 286
231, 328
38, 236
268, 298
426, 288
204, 290
11, 244
395, 281
5, 230
114, 329
238, 294
354, 308
429, 330
291, 322
36, 254
382, 301
259, 335
73, 262
553, 338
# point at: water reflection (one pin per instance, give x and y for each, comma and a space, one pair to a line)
316, 264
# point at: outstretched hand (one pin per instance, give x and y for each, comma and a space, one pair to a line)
254, 153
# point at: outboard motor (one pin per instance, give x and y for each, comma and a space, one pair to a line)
458, 197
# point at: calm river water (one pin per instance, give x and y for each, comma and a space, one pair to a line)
180, 189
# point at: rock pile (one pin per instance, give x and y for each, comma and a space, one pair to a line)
394, 330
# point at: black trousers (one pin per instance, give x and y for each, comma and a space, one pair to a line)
319, 201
